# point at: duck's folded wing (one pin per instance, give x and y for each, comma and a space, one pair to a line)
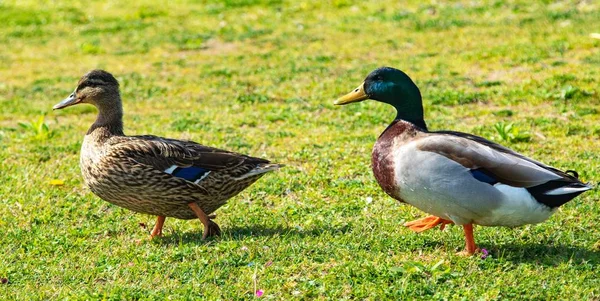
493, 160
494, 164
170, 154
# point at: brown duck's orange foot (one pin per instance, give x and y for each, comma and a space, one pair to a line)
210, 228
157, 230
213, 230
427, 223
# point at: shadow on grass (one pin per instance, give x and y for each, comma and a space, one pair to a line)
239, 233
545, 254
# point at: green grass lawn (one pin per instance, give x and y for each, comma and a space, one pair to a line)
260, 77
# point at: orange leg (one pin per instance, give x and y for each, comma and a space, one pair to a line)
210, 227
426, 223
157, 231
470, 247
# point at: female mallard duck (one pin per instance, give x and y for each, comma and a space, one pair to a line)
154, 175
458, 178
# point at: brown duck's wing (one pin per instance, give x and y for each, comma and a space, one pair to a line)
164, 153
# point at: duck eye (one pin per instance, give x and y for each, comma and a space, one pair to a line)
91, 83
379, 77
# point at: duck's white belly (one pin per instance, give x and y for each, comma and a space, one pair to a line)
444, 188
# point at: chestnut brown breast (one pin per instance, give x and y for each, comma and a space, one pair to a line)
382, 158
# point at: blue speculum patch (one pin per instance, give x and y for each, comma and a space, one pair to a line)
191, 173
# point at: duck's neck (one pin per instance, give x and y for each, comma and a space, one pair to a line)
407, 101
411, 112
109, 120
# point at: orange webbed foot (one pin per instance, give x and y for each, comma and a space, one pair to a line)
210, 228
427, 223
470, 246
157, 230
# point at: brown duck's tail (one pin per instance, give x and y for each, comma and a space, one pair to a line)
260, 169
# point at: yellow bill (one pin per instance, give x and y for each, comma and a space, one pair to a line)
356, 95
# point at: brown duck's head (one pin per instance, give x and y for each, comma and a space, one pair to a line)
96, 87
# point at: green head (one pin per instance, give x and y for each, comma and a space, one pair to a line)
393, 87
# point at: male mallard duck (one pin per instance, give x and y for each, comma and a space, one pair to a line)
458, 178
154, 175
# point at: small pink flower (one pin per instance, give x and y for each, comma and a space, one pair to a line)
268, 264
484, 254
259, 293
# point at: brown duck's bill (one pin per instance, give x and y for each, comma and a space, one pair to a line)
356, 95
69, 101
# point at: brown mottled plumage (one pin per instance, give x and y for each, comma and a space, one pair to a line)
154, 175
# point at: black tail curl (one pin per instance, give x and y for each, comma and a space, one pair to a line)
572, 173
